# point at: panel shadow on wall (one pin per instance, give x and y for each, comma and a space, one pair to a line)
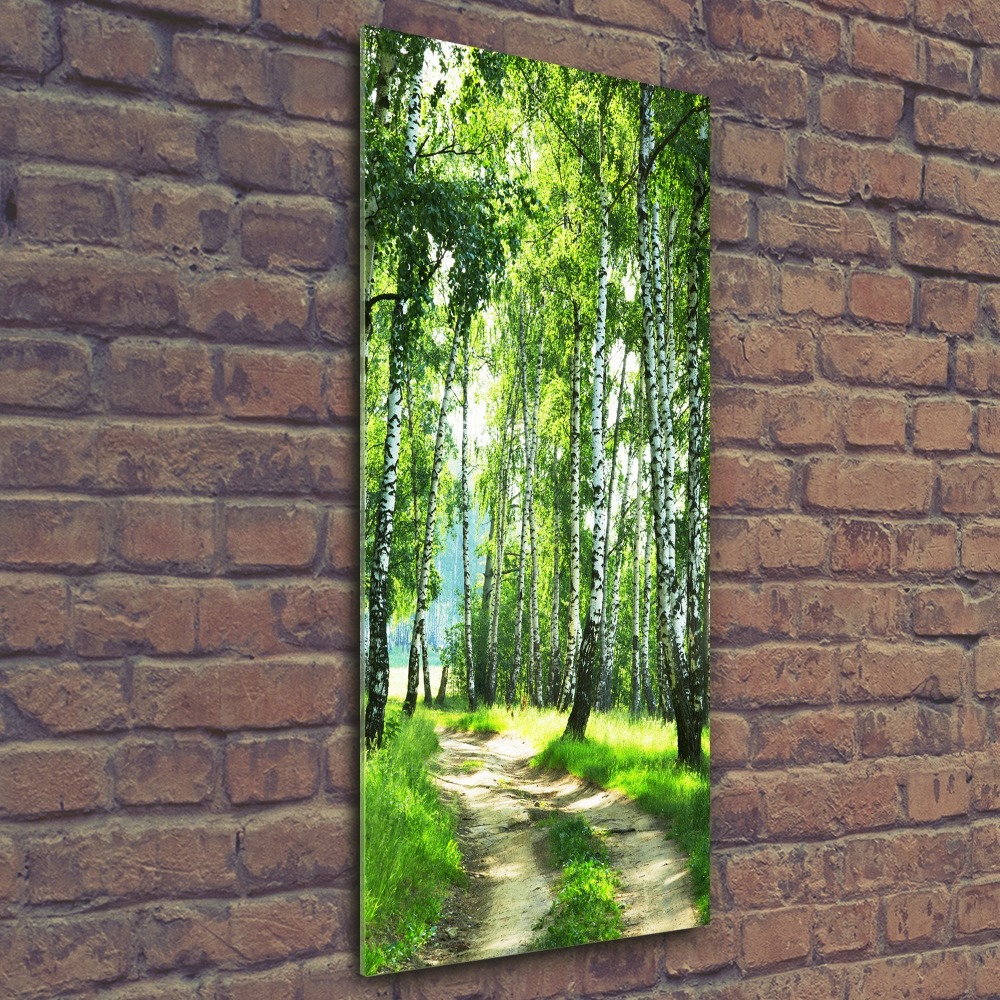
535, 479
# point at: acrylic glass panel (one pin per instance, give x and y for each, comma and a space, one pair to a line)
534, 631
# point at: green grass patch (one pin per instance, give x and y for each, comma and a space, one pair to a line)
411, 857
585, 908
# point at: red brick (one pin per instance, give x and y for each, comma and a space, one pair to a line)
300, 158
979, 908
880, 670
848, 611
231, 695
29, 38
278, 384
271, 536
232, 12
926, 548
69, 697
886, 49
662, 17
884, 359
742, 285
941, 975
948, 306
891, 174
988, 668
104, 46
774, 90
756, 351
180, 218
636, 57
977, 368
117, 615
858, 107
54, 204
331, 17
876, 422
746, 153
933, 795
772, 675
68, 533
919, 917
805, 420
730, 215
989, 73
734, 548
790, 543
222, 70
813, 983
812, 289
776, 936
48, 372
985, 785
892, 484
986, 966
961, 126
47, 956
298, 846
99, 131
806, 737
736, 814
774, 29
863, 547
844, 928
991, 309
243, 932
981, 547
948, 66
283, 231
750, 483
972, 20
832, 168
248, 307
942, 425
155, 377
164, 772
742, 612
970, 488
822, 230
34, 613
768, 875
908, 729
165, 859
962, 189
730, 739
273, 984
896, 10
989, 430
876, 864
273, 770
343, 540
160, 534
341, 386
337, 305
49, 780
343, 765
950, 611
315, 86
881, 298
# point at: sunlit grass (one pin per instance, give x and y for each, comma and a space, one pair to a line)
411, 857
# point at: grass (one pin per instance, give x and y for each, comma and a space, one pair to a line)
585, 909
624, 754
411, 857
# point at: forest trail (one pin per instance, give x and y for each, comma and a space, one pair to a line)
501, 800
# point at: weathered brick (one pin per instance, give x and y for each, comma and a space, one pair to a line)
236, 13
933, 795
948, 66
34, 613
972, 20
762, 351
908, 729
986, 971
987, 658
926, 548
874, 670
776, 936
981, 547
168, 378
166, 859
755, 483
272, 535
969, 487
989, 73
50, 779
162, 534
44, 371
943, 611
104, 46
56, 204
948, 306
308, 85
39, 532
806, 737
943, 975
896, 10
977, 368
774, 875
730, 215
739, 415
743, 286
962, 189
942, 425
812, 289
755, 611
822, 230
736, 813
337, 305
918, 917
222, 70
889, 861
893, 484
772, 675
662, 17
180, 218
69, 697
962, 126
884, 359
859, 107
881, 298
845, 928
848, 611
272, 770
746, 153
29, 38
774, 29
298, 846
989, 430
985, 785
282, 983
281, 232
875, 421
343, 543
341, 754
830, 167
805, 420
886, 49
248, 307
233, 694
979, 908
891, 174
171, 771
790, 543
863, 547
730, 739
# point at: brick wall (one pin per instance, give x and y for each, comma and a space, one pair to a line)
178, 482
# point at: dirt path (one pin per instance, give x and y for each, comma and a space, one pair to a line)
501, 799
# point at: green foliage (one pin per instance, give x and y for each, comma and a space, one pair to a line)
585, 908
411, 857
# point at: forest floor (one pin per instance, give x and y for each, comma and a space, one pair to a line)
501, 801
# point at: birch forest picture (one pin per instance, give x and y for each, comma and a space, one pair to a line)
535, 464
